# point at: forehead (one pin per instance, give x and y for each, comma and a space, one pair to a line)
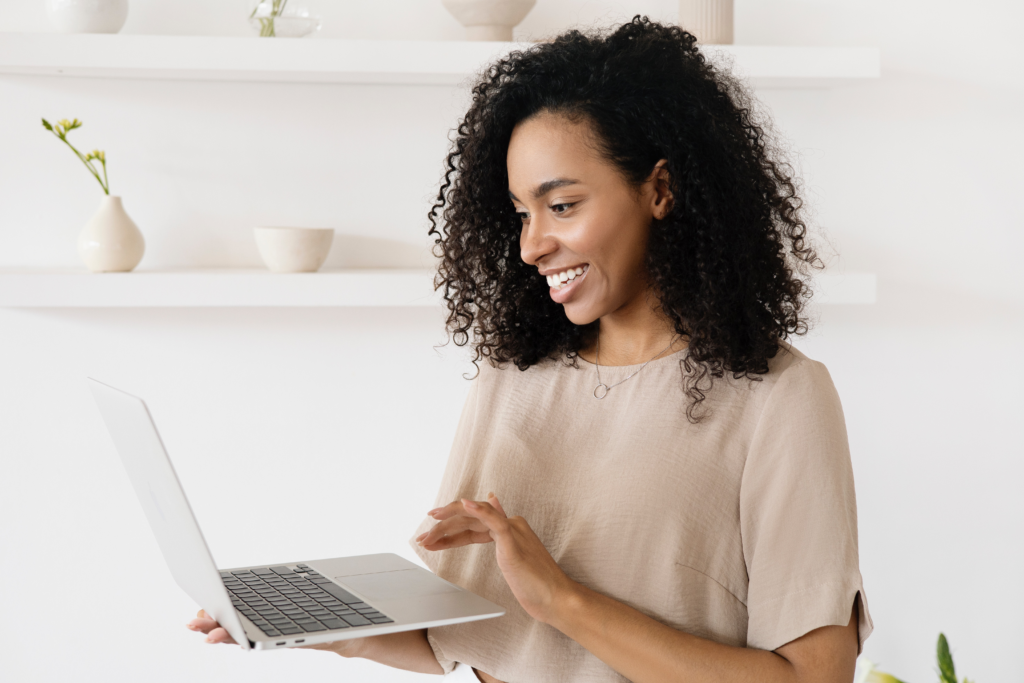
549, 146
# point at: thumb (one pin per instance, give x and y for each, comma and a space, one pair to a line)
493, 500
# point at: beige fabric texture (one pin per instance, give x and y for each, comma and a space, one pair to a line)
741, 529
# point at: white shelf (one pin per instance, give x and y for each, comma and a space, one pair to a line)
215, 287
311, 60
37, 288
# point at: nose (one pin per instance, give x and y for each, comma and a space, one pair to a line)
536, 242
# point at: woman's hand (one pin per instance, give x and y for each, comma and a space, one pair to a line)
536, 580
215, 633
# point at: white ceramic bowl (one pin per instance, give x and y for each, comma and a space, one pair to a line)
294, 250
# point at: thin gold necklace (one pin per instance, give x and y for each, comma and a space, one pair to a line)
598, 392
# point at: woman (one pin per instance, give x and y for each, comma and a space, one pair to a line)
675, 499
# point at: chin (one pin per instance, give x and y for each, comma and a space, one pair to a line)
580, 314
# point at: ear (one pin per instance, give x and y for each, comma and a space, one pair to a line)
663, 200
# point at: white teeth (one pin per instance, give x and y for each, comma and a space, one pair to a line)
558, 281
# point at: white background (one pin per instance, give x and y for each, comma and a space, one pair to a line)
316, 433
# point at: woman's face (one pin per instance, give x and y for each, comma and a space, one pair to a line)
583, 227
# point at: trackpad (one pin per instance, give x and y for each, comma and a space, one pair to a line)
400, 585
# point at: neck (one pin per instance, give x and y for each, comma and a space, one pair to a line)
634, 334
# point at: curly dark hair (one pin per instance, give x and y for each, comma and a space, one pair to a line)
725, 261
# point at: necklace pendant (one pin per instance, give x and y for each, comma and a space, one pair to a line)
601, 390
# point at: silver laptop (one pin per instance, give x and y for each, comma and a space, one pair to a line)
285, 604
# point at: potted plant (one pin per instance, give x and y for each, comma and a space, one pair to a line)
110, 242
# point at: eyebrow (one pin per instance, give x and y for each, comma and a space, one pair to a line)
546, 187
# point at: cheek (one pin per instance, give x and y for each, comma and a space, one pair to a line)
616, 249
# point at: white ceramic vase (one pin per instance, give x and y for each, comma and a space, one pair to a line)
294, 250
489, 19
709, 20
87, 16
111, 242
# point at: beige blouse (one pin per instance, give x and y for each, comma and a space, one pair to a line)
741, 529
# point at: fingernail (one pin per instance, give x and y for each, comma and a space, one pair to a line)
434, 511
209, 640
422, 536
472, 505
491, 495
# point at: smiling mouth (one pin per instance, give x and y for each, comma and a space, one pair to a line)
560, 280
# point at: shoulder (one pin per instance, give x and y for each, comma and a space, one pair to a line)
791, 374
796, 388
794, 375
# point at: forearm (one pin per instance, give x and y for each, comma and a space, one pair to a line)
407, 650
647, 651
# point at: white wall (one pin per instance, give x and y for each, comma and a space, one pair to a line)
303, 433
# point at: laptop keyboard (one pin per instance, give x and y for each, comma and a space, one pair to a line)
285, 601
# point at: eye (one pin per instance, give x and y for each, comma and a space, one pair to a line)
523, 215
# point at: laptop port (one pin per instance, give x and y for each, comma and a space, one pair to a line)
281, 643
300, 640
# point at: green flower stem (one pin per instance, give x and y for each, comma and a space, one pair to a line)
267, 23
95, 173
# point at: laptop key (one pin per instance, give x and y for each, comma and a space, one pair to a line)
334, 623
381, 620
281, 570
355, 620
313, 627
289, 630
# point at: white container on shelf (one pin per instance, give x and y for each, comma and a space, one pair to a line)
709, 20
294, 250
87, 16
111, 242
489, 19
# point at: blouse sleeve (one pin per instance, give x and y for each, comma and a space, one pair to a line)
798, 514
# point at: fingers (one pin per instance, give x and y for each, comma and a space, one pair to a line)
214, 632
493, 500
459, 540
202, 625
219, 635
450, 527
456, 508
448, 511
463, 522
494, 520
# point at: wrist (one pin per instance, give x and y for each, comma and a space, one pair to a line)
353, 648
567, 604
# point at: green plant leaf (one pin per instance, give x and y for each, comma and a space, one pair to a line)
947, 672
47, 126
